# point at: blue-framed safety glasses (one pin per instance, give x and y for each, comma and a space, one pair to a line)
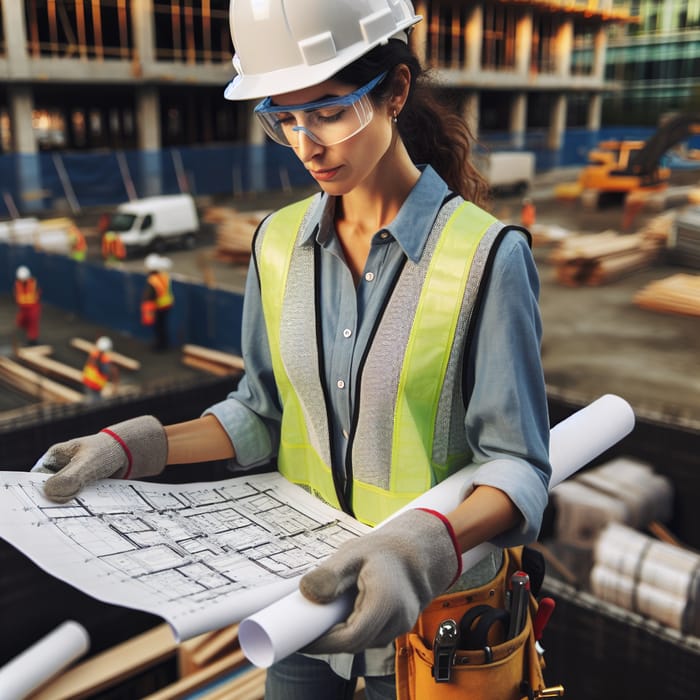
327, 122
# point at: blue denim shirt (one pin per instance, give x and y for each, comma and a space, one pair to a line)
506, 422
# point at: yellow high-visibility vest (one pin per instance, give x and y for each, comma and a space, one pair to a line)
401, 443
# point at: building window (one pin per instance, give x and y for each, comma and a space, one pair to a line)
498, 45
192, 32
544, 31
79, 29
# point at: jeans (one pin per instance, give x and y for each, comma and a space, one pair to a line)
299, 677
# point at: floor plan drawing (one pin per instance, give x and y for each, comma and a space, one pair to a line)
199, 555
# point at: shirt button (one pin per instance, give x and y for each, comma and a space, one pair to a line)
384, 235
340, 384
369, 276
347, 333
346, 435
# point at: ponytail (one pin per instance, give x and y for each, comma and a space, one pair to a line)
432, 132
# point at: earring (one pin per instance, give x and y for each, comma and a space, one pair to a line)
395, 117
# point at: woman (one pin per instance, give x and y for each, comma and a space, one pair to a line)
391, 336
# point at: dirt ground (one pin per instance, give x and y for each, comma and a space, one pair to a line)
596, 340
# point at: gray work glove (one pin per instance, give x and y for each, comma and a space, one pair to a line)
129, 450
396, 570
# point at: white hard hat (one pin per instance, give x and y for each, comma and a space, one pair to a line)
23, 273
104, 344
286, 45
152, 262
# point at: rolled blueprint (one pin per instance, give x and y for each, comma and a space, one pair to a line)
43, 660
292, 622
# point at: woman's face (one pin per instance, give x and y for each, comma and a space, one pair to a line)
341, 167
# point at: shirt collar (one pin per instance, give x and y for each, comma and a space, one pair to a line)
411, 226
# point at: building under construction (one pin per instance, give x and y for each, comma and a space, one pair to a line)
142, 76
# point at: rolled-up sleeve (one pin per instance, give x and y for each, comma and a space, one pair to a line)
251, 414
507, 421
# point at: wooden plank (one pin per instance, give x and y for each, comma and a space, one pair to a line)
199, 679
34, 384
111, 667
117, 358
48, 366
216, 356
40, 350
211, 367
215, 644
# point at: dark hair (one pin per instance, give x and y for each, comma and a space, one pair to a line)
432, 132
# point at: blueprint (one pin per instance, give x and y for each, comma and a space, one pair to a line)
200, 555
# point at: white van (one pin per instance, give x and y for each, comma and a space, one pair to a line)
508, 172
155, 223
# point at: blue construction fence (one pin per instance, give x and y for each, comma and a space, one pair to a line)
111, 298
72, 181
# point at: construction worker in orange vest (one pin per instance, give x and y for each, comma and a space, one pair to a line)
28, 299
99, 369
113, 249
77, 243
157, 299
527, 213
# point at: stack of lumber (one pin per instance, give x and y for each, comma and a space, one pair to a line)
35, 384
659, 227
656, 579
679, 294
37, 374
594, 259
234, 232
211, 666
212, 361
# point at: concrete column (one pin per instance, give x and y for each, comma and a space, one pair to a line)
564, 47
470, 112
21, 100
419, 34
149, 141
518, 119
474, 31
557, 123
595, 110
15, 39
257, 147
600, 45
523, 44
144, 34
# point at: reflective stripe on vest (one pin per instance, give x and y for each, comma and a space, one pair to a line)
161, 284
420, 379
92, 376
26, 292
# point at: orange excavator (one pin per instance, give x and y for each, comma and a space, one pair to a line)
617, 168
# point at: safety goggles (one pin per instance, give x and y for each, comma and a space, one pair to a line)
326, 122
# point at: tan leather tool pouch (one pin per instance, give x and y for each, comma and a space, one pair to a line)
502, 670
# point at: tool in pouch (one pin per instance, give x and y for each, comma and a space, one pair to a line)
444, 647
482, 662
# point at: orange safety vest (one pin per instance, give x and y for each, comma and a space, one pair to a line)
160, 283
527, 215
93, 377
112, 246
26, 292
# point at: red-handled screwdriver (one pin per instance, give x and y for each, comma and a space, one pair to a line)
544, 612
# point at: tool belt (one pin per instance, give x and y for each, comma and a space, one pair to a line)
464, 644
